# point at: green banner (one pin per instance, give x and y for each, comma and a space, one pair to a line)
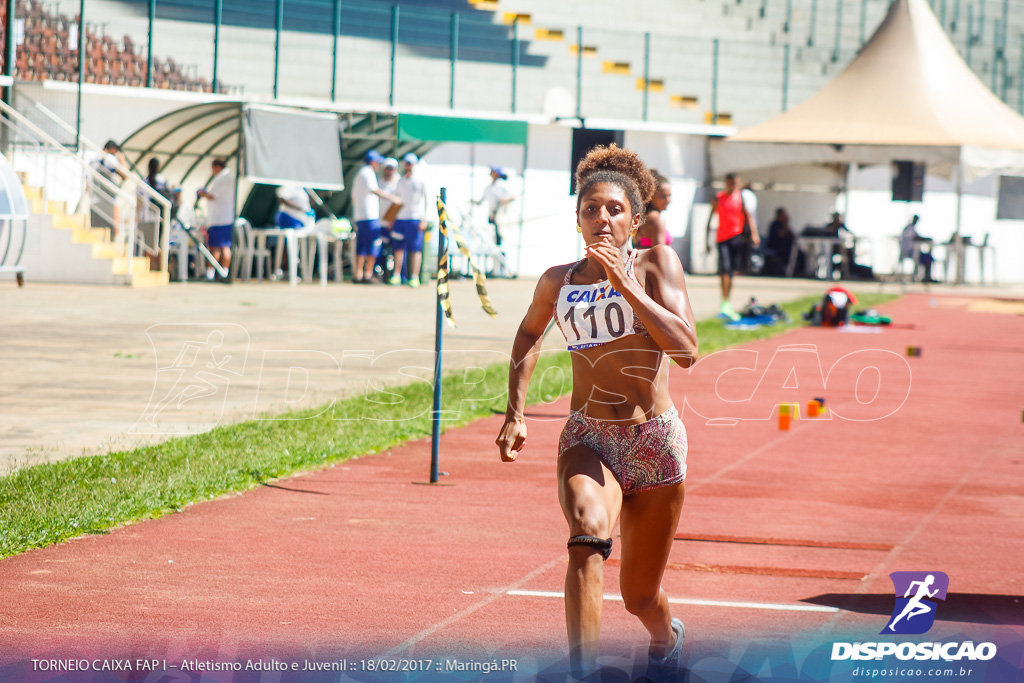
448, 129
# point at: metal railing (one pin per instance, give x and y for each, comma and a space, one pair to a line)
64, 176
148, 198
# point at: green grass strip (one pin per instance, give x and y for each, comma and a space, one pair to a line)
48, 503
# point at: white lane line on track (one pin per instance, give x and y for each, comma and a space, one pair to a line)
507, 590
693, 601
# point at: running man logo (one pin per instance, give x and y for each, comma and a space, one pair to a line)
914, 613
195, 364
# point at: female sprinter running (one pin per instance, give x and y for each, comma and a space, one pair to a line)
622, 454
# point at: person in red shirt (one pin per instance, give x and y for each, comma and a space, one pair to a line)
732, 216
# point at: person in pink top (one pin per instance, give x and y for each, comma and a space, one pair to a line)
653, 231
732, 216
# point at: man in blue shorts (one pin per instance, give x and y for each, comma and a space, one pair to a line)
220, 214
407, 232
366, 196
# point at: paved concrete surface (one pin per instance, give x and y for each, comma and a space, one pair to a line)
87, 370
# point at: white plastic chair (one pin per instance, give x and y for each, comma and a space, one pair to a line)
982, 249
252, 253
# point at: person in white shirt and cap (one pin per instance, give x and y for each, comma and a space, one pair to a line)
497, 195
407, 232
366, 196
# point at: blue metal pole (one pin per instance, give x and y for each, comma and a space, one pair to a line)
278, 26
647, 71
970, 34
149, 47
218, 18
863, 20
839, 30
10, 53
435, 436
336, 29
814, 21
515, 60
981, 22
455, 58
394, 47
579, 72
785, 77
714, 82
789, 16
995, 55
81, 71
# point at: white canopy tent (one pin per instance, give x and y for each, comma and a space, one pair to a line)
907, 95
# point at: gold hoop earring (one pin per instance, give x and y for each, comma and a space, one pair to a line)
579, 229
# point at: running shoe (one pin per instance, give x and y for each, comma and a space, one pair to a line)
395, 280
414, 282
669, 667
728, 312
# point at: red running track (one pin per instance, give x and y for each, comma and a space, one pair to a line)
357, 560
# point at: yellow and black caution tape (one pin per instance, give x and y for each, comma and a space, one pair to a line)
451, 232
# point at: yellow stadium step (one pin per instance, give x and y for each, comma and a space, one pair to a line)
56, 208
151, 278
72, 221
32, 192
80, 235
108, 250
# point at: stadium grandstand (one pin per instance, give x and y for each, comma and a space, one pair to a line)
669, 75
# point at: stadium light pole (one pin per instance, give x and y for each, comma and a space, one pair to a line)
149, 44
218, 17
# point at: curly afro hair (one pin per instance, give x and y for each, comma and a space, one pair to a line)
620, 167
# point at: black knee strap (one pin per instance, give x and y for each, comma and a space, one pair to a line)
603, 545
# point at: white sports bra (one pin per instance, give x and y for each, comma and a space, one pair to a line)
591, 315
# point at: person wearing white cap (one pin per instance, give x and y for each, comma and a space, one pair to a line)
497, 195
366, 196
407, 232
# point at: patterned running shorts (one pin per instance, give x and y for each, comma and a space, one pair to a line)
641, 456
